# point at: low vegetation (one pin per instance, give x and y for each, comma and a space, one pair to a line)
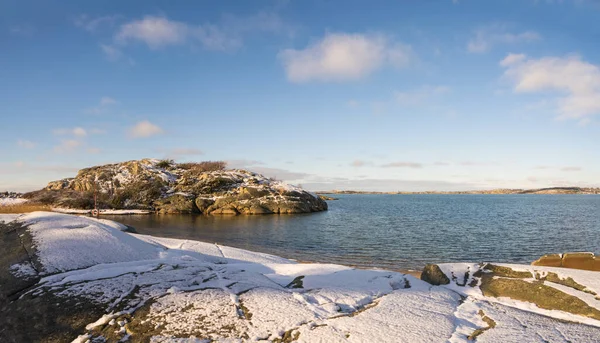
24, 208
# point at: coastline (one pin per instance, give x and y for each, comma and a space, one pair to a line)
112, 286
548, 190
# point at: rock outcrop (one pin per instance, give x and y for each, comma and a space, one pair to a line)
168, 187
573, 260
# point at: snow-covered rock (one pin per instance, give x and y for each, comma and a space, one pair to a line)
168, 187
156, 289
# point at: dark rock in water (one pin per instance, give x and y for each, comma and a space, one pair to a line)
326, 197
168, 187
434, 275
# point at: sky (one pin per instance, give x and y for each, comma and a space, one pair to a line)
378, 96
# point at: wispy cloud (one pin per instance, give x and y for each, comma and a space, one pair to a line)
571, 169
420, 95
344, 57
183, 152
359, 163
159, 31
564, 169
484, 38
23, 30
104, 103
76, 131
26, 144
403, 165
90, 24
576, 79
67, 145
144, 129
243, 163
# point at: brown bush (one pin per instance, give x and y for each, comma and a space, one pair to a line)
206, 166
24, 208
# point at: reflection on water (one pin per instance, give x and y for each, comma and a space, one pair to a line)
403, 231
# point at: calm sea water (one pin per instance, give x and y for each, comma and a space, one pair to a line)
403, 231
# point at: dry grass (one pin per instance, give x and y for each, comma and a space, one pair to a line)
24, 208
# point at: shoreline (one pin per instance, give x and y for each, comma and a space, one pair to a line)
113, 286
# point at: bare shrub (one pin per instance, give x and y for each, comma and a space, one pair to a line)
165, 164
24, 208
206, 166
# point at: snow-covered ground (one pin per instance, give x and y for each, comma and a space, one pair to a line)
11, 201
173, 290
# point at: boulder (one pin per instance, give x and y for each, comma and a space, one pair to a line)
225, 211
203, 203
434, 275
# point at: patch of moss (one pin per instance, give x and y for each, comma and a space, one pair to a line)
296, 283
245, 311
569, 282
489, 321
536, 292
506, 272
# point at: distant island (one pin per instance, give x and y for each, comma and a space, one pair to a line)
551, 190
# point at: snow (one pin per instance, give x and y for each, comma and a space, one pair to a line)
65, 242
11, 201
8, 217
209, 292
101, 212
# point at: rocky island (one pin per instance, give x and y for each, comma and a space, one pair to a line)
164, 186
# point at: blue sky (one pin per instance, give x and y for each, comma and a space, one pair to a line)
402, 95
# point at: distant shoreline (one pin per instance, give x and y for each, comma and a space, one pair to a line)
550, 190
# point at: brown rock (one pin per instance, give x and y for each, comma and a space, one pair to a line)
574, 260
551, 260
434, 275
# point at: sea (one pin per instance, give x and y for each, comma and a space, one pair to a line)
402, 231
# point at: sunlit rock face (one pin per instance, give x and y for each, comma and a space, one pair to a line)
168, 187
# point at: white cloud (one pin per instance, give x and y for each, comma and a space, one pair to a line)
26, 144
512, 59
577, 80
154, 31
93, 24
159, 32
111, 53
420, 95
342, 56
359, 163
105, 101
77, 131
403, 165
144, 129
486, 37
67, 145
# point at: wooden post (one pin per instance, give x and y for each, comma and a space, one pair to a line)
96, 212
